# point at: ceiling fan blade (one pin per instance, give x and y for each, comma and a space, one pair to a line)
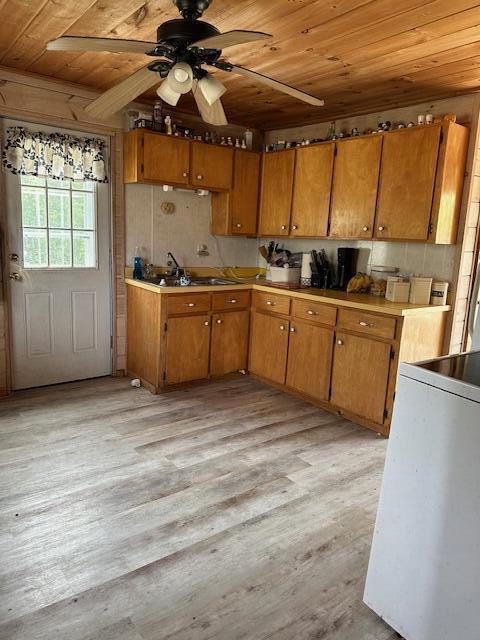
212, 114
121, 94
229, 39
275, 84
114, 45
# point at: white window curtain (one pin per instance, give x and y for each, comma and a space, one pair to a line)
54, 155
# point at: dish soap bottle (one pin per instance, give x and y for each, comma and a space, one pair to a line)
137, 266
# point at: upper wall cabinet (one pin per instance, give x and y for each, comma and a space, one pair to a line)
157, 158
276, 193
311, 190
235, 212
407, 181
355, 185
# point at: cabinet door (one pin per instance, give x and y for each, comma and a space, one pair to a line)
188, 347
355, 187
360, 375
165, 159
244, 196
310, 359
268, 347
276, 193
311, 190
212, 166
229, 348
407, 179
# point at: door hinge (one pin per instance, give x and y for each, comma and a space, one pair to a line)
441, 136
164, 376
165, 327
141, 167
335, 150
392, 355
430, 228
385, 413
111, 342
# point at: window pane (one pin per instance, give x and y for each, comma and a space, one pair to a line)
33, 181
84, 254
83, 210
58, 184
59, 209
60, 246
83, 185
35, 248
34, 210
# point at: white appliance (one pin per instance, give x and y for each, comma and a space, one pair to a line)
424, 571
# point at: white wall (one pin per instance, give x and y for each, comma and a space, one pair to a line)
421, 259
156, 233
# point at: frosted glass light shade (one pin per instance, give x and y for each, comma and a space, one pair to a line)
180, 78
211, 88
167, 94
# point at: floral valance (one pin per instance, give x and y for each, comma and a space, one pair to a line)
54, 155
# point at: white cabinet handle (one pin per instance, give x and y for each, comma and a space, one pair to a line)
312, 313
365, 228
294, 228
189, 304
219, 321
282, 327
199, 177
270, 303
284, 226
185, 174
362, 323
292, 329
340, 342
381, 228
233, 301
238, 225
206, 323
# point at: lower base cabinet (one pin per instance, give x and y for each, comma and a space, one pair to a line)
229, 346
188, 349
360, 375
268, 347
309, 359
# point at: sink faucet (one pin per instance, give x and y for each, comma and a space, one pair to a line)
176, 270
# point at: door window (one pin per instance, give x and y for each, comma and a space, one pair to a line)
58, 223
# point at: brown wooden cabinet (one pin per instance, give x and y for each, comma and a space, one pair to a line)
355, 186
152, 157
211, 166
311, 190
188, 348
268, 347
229, 345
276, 193
236, 212
407, 181
360, 372
310, 359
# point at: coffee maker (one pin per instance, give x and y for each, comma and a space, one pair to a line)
346, 267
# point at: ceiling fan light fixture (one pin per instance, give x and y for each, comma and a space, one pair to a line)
167, 94
211, 88
180, 78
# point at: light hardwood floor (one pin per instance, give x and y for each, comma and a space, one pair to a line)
222, 511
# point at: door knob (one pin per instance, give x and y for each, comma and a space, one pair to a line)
284, 226
219, 321
292, 330
294, 228
15, 276
238, 225
340, 342
185, 174
381, 228
365, 228
206, 323
13, 257
199, 177
282, 327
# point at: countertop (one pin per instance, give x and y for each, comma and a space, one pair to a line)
362, 301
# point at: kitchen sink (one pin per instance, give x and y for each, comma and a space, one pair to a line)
172, 281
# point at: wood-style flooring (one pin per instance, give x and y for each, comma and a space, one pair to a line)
222, 511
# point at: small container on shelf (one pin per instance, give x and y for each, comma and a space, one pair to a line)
280, 274
439, 293
380, 275
420, 290
398, 289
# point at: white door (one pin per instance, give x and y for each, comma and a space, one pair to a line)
60, 287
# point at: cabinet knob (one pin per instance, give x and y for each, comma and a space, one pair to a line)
340, 342
282, 327
185, 174
381, 228
15, 276
189, 304
284, 226
362, 323
312, 313
292, 329
239, 225
199, 177
270, 303
206, 323
219, 321
233, 301
365, 228
294, 228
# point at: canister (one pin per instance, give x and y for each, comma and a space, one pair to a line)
439, 293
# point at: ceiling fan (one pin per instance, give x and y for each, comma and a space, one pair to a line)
183, 47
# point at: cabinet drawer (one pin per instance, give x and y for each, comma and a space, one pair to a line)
189, 303
366, 323
271, 302
315, 311
226, 300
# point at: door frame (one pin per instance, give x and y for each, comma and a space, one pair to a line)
115, 257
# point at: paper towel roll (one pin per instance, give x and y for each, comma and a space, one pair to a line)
306, 273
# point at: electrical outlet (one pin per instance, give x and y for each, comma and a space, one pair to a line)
202, 250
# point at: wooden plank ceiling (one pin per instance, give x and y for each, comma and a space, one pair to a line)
359, 55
